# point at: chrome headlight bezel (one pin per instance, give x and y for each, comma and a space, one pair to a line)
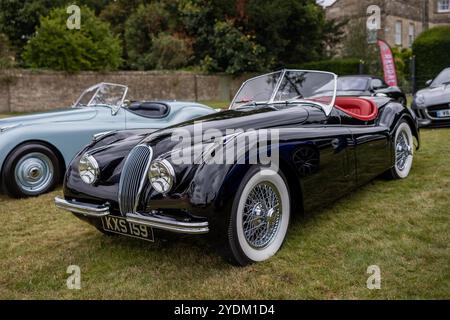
161, 175
88, 169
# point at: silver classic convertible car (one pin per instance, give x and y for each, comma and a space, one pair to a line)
35, 149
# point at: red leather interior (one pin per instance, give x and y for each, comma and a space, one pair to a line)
358, 108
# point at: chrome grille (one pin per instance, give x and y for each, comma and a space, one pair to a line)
133, 177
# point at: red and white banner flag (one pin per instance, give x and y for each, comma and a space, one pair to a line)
388, 61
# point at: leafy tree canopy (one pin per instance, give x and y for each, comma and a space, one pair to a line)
432, 49
93, 47
19, 18
220, 35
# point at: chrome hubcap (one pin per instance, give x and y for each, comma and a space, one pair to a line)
403, 150
34, 173
262, 215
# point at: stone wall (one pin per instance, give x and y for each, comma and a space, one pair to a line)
4, 97
25, 90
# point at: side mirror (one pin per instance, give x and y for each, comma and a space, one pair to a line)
428, 83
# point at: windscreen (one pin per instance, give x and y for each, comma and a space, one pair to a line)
103, 94
289, 86
441, 79
259, 89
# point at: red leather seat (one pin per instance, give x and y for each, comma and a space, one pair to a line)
358, 108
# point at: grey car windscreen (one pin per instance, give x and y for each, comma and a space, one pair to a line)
103, 94
442, 79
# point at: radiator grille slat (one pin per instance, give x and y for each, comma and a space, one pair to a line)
133, 176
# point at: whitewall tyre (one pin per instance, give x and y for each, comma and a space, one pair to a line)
403, 151
260, 217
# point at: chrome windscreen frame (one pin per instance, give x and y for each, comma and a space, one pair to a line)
97, 87
327, 108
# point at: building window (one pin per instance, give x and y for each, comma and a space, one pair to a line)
444, 6
398, 33
411, 34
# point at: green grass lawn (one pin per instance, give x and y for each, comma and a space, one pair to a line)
401, 226
217, 104
10, 114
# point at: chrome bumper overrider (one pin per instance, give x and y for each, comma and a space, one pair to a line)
93, 211
82, 208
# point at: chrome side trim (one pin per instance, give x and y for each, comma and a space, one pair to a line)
82, 208
170, 225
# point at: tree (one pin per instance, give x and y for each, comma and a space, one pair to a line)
355, 46
19, 18
93, 47
6, 53
291, 31
333, 35
169, 52
199, 18
117, 12
140, 29
431, 49
233, 52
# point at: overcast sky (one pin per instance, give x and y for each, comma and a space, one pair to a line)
325, 2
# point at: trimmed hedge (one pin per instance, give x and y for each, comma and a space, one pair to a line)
341, 67
432, 51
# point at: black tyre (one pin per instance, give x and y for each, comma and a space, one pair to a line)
404, 152
30, 170
260, 217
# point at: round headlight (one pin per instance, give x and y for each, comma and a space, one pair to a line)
420, 100
88, 169
161, 175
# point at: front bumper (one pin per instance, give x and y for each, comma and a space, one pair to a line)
154, 221
427, 118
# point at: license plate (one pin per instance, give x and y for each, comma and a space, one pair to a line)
443, 113
130, 229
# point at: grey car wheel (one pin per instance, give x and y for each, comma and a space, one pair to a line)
30, 170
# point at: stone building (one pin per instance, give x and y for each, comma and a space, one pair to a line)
401, 20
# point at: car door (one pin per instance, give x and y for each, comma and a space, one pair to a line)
372, 151
137, 121
335, 172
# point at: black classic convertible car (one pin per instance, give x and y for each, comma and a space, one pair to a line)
286, 145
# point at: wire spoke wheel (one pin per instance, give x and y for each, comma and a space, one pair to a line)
262, 215
403, 151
